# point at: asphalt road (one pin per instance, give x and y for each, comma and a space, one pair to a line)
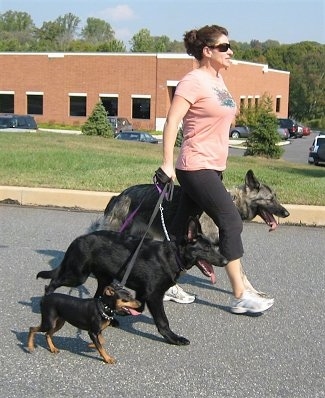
278, 354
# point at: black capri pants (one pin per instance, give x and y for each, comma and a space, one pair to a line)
203, 190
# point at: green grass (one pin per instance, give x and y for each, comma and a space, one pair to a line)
95, 163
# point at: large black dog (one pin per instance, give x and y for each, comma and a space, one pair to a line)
158, 265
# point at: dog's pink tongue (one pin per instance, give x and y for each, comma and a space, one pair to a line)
273, 226
208, 270
213, 277
133, 311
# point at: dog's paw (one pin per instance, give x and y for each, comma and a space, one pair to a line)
182, 341
110, 360
177, 340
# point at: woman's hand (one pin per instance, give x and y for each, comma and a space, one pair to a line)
169, 170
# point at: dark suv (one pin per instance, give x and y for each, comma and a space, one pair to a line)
12, 121
317, 150
295, 130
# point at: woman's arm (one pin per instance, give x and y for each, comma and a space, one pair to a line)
177, 111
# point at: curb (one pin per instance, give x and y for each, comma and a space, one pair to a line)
97, 201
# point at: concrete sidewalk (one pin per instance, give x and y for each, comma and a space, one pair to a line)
97, 201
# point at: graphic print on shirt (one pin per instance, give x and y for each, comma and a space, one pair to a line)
224, 97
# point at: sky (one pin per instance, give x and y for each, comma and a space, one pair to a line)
286, 21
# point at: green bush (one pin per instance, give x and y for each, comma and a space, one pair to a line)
97, 123
264, 137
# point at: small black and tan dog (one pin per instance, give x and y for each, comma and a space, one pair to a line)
93, 315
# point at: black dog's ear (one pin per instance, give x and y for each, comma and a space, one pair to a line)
251, 181
193, 228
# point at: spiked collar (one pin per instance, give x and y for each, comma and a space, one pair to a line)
105, 312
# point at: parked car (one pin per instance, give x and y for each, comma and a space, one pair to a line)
119, 124
317, 150
283, 133
294, 129
141, 136
13, 121
306, 131
238, 132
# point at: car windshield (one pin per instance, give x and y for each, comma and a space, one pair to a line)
129, 136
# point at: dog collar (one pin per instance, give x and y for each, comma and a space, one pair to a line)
104, 310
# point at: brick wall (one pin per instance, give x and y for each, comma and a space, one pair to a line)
57, 75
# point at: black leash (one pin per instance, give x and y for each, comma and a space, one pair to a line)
160, 180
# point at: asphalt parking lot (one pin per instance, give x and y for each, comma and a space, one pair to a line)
295, 150
278, 354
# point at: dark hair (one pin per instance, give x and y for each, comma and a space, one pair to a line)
195, 40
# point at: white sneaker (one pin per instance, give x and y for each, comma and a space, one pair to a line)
251, 303
177, 294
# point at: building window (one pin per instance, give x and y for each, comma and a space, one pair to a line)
110, 104
7, 103
256, 102
141, 107
35, 103
78, 105
278, 104
249, 102
242, 105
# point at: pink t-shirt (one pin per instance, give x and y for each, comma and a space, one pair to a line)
206, 124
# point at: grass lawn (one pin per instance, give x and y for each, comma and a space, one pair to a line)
94, 163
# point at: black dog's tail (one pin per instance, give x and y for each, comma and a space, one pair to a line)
46, 274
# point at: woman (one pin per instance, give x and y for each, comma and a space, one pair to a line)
206, 108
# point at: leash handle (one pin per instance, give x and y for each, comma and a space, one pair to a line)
161, 179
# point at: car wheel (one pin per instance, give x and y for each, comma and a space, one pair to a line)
235, 135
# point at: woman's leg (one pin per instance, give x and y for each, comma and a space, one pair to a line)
233, 269
204, 190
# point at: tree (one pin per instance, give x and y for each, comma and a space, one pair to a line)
97, 123
264, 137
113, 46
142, 42
58, 34
97, 31
17, 31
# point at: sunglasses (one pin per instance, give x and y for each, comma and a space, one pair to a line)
223, 47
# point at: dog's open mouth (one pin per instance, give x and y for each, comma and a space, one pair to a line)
268, 218
130, 311
207, 269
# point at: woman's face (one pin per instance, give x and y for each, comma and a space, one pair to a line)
219, 53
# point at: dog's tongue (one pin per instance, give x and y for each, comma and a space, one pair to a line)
132, 311
207, 270
268, 219
272, 225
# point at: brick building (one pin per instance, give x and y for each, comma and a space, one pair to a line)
64, 87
